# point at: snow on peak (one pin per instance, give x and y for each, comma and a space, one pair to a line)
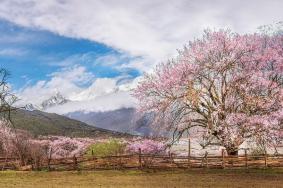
55, 100
31, 107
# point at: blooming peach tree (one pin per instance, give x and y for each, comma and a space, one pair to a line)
227, 85
64, 147
147, 146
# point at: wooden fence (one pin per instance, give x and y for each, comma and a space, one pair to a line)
142, 161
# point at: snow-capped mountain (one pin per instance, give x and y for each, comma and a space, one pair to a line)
55, 100
31, 107
58, 99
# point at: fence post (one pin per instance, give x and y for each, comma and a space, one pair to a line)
75, 160
172, 158
37, 163
189, 153
206, 159
140, 160
48, 164
49, 159
223, 158
4, 164
93, 159
265, 159
246, 158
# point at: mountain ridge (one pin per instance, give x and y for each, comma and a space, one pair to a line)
41, 123
52, 101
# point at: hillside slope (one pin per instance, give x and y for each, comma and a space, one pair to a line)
121, 120
42, 123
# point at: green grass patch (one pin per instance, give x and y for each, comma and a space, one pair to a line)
112, 147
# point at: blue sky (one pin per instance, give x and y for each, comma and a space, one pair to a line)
94, 52
32, 55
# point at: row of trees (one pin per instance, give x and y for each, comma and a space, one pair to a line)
225, 86
36, 151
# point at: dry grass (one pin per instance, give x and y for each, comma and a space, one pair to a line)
136, 179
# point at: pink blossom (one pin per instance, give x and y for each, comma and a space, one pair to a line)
61, 146
147, 146
226, 83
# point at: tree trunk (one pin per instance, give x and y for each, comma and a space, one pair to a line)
22, 161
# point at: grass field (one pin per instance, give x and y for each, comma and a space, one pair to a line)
140, 179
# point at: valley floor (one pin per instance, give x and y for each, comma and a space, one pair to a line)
141, 179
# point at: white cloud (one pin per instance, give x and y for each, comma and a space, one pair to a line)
15, 38
67, 82
124, 61
75, 74
106, 102
101, 94
100, 87
80, 58
12, 52
109, 60
149, 29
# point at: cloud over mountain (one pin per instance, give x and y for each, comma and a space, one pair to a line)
102, 94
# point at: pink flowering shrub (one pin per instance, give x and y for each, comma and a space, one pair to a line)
7, 138
62, 147
147, 146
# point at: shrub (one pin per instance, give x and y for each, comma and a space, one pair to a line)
112, 147
147, 146
62, 146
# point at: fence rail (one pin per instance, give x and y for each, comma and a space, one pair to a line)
141, 161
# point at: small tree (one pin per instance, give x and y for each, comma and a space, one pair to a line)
7, 98
13, 142
227, 85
